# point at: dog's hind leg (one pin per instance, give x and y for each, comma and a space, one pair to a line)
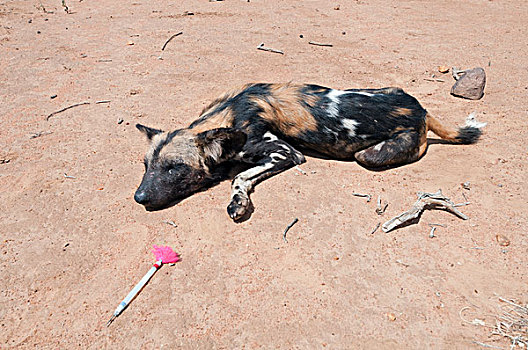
404, 147
270, 156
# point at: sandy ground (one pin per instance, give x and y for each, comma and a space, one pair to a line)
72, 247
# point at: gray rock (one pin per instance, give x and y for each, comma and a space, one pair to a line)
471, 84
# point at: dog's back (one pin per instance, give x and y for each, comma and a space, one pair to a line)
336, 123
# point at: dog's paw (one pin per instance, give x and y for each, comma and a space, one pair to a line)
238, 206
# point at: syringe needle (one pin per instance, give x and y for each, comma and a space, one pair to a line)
111, 320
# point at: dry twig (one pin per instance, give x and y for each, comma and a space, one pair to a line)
467, 202
170, 222
169, 39
431, 234
475, 322
41, 7
269, 49
75, 105
457, 73
66, 8
402, 263
319, 44
368, 196
524, 309
425, 201
40, 133
375, 228
300, 170
379, 209
511, 324
434, 79
487, 345
66, 108
288, 228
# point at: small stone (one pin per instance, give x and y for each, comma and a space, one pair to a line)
466, 185
337, 8
502, 240
443, 69
391, 316
130, 43
53, 96
470, 85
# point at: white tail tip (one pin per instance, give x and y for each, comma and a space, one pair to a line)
472, 122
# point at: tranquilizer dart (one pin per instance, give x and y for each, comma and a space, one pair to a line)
164, 255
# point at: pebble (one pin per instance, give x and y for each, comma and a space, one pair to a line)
502, 240
470, 85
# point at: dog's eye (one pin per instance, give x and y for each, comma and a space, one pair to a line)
172, 168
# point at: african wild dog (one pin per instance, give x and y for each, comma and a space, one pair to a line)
269, 126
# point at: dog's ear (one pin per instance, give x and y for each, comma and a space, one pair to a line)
221, 144
150, 132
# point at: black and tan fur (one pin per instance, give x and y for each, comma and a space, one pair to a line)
268, 127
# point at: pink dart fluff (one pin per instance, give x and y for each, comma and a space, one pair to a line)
165, 254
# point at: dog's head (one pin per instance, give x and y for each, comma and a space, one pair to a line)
180, 163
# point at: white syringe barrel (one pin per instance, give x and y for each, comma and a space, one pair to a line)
137, 288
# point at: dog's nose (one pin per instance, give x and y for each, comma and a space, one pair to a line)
141, 197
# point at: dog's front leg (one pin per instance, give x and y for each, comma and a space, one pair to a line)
273, 157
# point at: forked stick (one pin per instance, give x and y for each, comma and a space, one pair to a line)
425, 201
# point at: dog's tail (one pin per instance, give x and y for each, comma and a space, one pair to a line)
467, 134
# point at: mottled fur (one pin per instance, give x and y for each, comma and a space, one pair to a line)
268, 127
